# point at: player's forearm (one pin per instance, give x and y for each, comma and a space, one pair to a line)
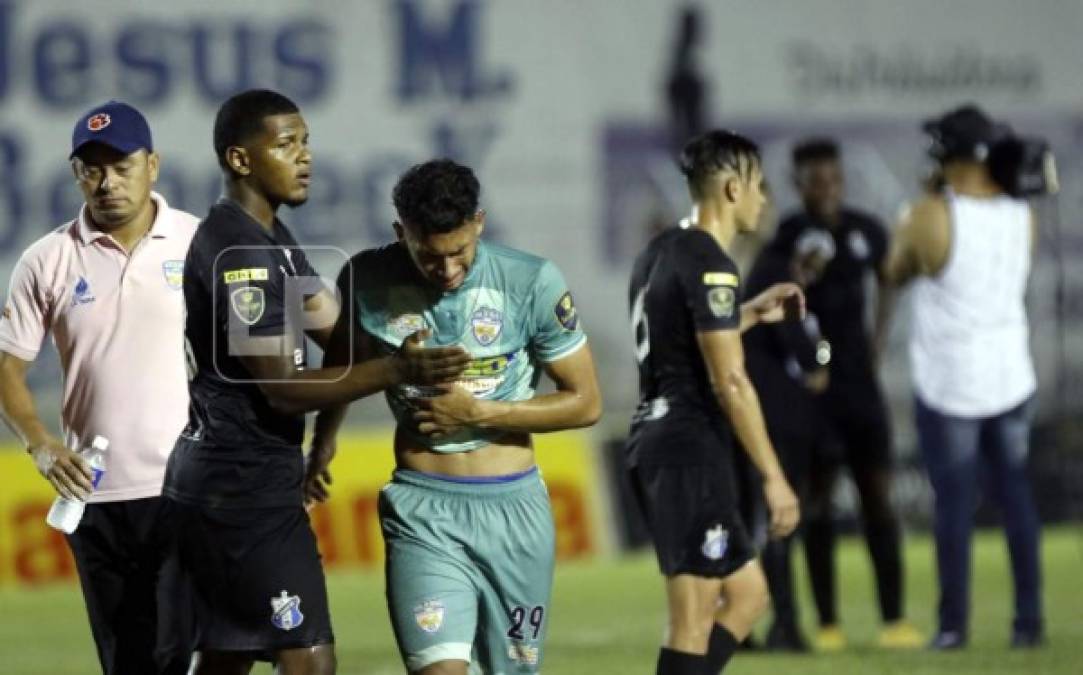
17, 405
550, 412
749, 317
19, 411
328, 422
738, 399
331, 387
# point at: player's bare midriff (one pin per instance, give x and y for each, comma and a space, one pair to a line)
508, 454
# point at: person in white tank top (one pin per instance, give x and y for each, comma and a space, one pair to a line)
966, 249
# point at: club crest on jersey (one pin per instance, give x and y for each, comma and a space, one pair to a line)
429, 615
174, 273
248, 304
405, 325
721, 300
715, 543
487, 324
286, 611
565, 311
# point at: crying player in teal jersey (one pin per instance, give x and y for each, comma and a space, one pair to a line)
466, 516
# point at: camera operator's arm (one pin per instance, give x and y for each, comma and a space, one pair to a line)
922, 243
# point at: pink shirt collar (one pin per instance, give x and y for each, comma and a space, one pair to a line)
161, 227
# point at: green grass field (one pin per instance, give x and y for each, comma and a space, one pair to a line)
607, 618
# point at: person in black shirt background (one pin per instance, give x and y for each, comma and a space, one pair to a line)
787, 362
237, 473
852, 403
694, 394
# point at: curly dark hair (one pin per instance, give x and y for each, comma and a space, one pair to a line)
437, 197
714, 151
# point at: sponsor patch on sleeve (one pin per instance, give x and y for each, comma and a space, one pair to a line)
248, 304
248, 274
721, 301
565, 312
720, 279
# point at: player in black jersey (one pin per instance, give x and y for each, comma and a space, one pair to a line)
237, 472
853, 405
787, 362
694, 393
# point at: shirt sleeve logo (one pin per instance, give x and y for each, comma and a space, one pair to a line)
248, 304
249, 274
565, 312
487, 324
174, 273
721, 301
719, 279
429, 615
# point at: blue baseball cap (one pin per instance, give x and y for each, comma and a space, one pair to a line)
115, 124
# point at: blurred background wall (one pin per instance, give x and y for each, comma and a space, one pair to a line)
569, 110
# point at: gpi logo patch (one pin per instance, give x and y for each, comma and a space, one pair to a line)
286, 611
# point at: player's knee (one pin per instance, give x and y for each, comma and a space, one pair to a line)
326, 663
690, 626
751, 599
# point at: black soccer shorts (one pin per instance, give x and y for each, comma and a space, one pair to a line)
691, 513
257, 579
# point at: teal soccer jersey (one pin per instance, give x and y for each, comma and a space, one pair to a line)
512, 313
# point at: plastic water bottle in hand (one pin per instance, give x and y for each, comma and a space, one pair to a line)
66, 513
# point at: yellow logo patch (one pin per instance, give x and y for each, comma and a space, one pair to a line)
250, 274
720, 279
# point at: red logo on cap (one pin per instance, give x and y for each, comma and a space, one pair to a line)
98, 122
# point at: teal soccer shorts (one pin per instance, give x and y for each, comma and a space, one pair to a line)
469, 569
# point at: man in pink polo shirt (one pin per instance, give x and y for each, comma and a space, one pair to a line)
107, 285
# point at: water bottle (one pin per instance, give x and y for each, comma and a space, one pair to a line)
65, 513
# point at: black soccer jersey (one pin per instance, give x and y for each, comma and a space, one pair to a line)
838, 298
237, 451
681, 284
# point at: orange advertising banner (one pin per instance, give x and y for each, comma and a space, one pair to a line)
33, 553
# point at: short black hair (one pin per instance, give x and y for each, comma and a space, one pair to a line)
815, 150
437, 197
714, 151
242, 115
